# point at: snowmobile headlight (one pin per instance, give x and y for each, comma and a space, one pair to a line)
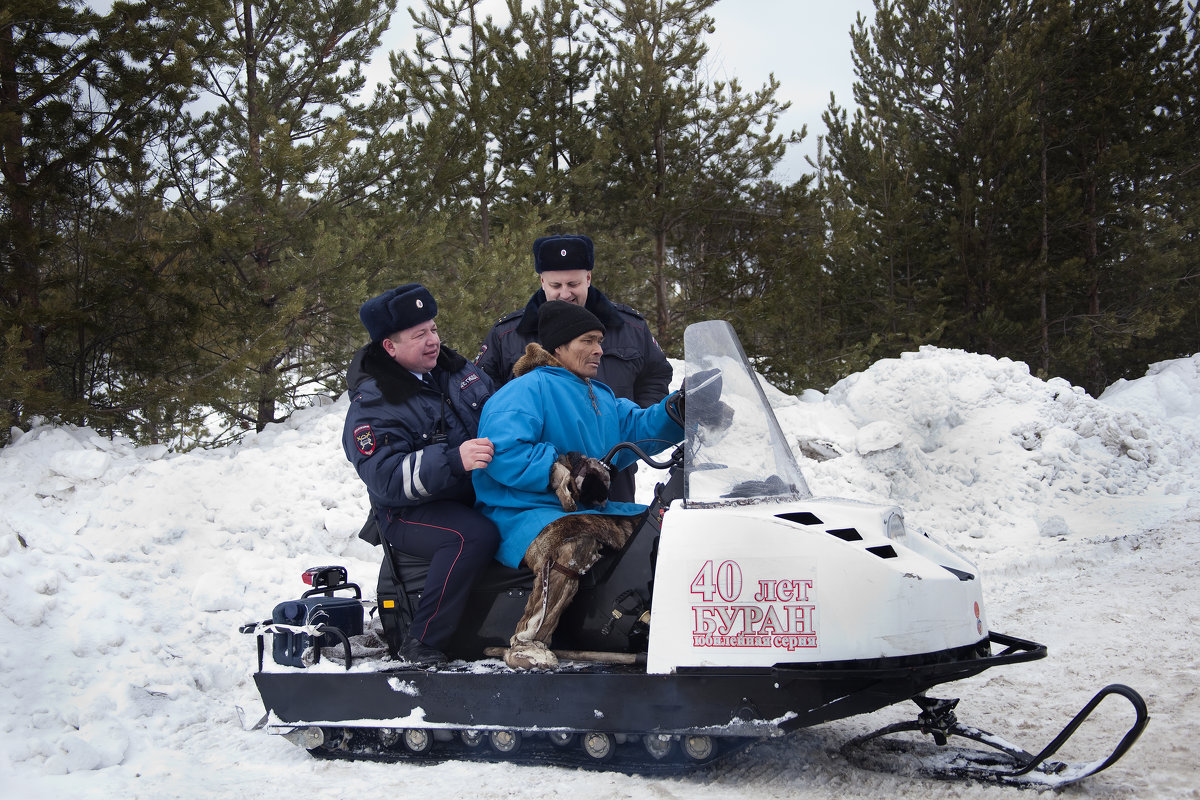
895, 527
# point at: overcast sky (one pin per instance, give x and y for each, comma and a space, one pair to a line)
805, 43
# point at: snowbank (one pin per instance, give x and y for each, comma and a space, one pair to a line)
125, 572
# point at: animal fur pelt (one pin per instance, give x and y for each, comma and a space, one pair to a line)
560, 555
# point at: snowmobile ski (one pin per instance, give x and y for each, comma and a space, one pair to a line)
1005, 763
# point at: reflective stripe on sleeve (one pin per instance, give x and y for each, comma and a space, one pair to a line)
414, 489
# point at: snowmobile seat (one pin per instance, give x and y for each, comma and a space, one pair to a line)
413, 570
617, 587
494, 606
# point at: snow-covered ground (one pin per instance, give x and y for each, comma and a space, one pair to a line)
125, 573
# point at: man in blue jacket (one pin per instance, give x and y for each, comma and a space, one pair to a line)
632, 364
545, 487
411, 433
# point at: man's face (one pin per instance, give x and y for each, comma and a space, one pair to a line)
569, 285
416, 348
582, 354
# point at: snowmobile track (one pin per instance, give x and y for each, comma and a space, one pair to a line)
626, 755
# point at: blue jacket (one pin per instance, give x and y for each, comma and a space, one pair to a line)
547, 411
403, 436
633, 365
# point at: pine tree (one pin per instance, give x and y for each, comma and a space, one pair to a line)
675, 148
86, 98
1011, 160
772, 285
1181, 196
888, 251
446, 92
547, 140
452, 111
278, 201
1110, 114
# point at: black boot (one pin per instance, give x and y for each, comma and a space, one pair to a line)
419, 654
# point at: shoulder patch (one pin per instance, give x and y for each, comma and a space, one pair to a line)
483, 348
364, 439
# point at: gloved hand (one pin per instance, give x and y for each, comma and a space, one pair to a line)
675, 405
578, 480
562, 484
704, 389
592, 480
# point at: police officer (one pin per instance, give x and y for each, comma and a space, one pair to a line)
411, 434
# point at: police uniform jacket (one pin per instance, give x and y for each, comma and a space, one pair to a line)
633, 365
403, 435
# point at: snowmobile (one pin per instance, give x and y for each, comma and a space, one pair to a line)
742, 608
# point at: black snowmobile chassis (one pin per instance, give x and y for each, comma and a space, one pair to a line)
483, 710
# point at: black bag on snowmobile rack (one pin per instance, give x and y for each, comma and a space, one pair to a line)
288, 647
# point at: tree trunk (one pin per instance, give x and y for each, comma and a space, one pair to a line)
1043, 262
24, 293
660, 240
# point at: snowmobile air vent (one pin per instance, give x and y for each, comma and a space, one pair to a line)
846, 534
802, 517
958, 573
883, 551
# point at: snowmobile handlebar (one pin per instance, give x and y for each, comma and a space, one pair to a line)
675, 458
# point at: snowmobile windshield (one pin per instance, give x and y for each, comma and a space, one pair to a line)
734, 450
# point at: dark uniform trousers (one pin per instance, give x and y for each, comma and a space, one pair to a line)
459, 543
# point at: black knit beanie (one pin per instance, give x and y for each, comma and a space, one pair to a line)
559, 322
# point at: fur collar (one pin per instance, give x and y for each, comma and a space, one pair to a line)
395, 382
596, 303
535, 356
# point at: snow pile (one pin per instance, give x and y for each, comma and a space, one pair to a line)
125, 572
1167, 392
975, 448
